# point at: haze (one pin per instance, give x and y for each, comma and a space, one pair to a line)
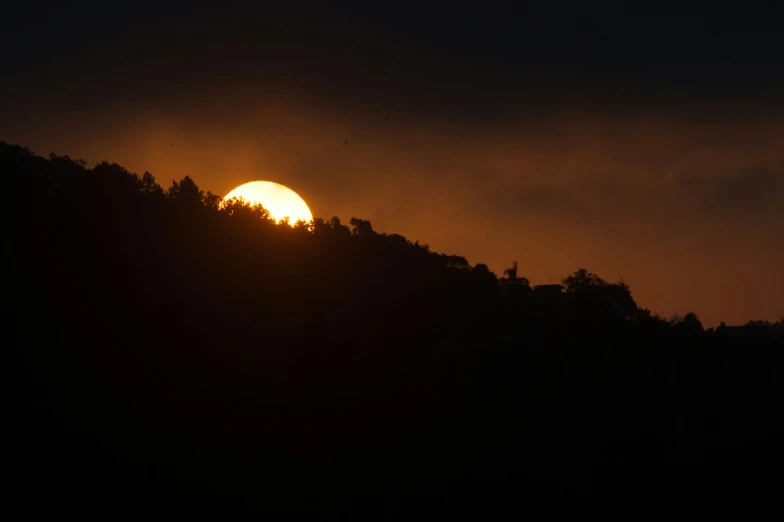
559, 143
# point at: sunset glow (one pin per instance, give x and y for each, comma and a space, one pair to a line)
279, 200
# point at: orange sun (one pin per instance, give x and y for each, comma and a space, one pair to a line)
279, 200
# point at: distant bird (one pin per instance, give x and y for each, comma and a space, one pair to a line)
345, 142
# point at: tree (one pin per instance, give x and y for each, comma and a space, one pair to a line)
514, 287
238, 207
147, 185
688, 325
331, 228
596, 298
211, 201
186, 191
480, 272
362, 227
457, 262
301, 225
582, 278
512, 279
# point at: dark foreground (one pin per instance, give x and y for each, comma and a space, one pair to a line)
168, 357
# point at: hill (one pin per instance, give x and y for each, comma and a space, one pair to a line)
172, 353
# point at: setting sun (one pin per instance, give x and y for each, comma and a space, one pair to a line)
278, 199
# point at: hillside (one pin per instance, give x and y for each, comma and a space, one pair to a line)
168, 352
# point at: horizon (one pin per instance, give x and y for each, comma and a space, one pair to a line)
497, 272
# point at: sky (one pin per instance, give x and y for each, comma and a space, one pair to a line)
641, 142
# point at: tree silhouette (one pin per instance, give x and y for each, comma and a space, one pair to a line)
582, 279
361, 227
149, 186
689, 324
185, 191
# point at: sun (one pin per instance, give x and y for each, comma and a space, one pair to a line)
278, 199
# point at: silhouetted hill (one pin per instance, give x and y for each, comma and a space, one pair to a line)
170, 353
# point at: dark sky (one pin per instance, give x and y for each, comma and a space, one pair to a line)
641, 141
